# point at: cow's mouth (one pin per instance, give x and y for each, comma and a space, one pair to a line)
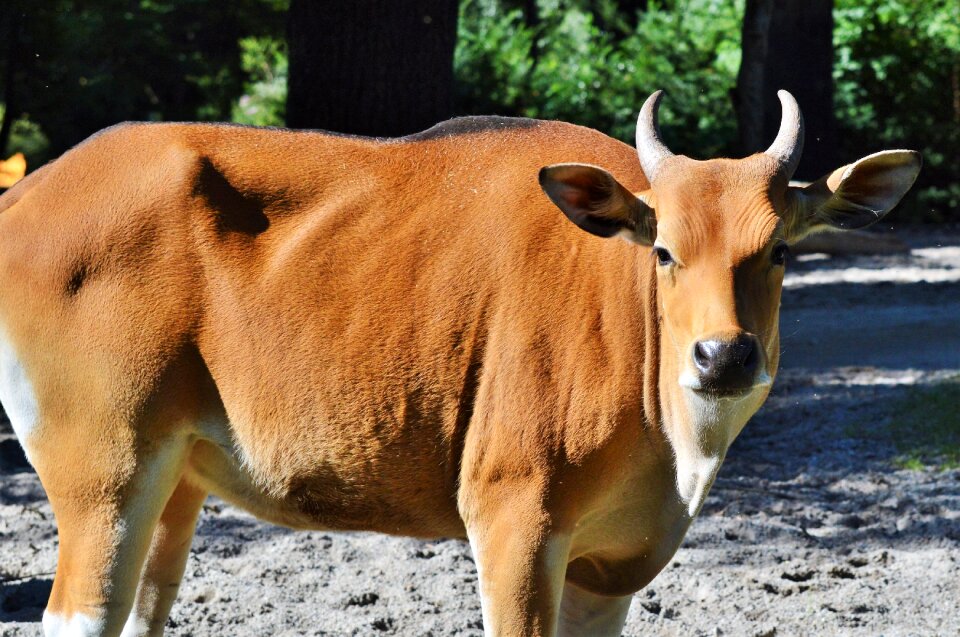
721, 388
725, 394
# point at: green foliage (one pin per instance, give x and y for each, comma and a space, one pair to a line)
568, 67
264, 61
897, 75
27, 138
81, 65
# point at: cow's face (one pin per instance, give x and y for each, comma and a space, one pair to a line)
720, 254
718, 232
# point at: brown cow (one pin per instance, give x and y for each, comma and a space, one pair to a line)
401, 336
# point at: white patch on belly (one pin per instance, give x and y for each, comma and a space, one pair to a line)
78, 625
17, 395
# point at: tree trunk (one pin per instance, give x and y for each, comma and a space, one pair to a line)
620, 18
748, 97
370, 67
632, 9
795, 53
800, 60
531, 18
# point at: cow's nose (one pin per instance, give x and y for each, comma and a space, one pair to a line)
727, 365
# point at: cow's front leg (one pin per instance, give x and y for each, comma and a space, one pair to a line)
584, 614
521, 563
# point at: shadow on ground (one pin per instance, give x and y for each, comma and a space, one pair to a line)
23, 601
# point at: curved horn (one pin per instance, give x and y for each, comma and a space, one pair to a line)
650, 148
788, 146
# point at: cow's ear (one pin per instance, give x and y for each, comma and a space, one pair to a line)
598, 203
853, 196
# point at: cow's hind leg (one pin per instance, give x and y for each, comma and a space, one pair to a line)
582, 613
166, 560
107, 504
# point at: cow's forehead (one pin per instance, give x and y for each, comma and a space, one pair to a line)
718, 206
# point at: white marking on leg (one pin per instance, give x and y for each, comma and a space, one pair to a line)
135, 626
484, 601
145, 597
17, 395
77, 625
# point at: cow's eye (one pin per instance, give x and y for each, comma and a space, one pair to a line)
663, 255
779, 254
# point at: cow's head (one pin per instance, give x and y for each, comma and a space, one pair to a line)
718, 231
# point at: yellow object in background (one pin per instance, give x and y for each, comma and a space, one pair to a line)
12, 170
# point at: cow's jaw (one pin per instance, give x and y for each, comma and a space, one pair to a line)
702, 428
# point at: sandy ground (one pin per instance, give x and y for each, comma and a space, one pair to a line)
811, 529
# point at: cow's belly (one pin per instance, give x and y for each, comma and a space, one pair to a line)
340, 410
337, 494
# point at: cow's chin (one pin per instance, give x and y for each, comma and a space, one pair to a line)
715, 419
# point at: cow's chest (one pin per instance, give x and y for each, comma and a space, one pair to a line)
619, 551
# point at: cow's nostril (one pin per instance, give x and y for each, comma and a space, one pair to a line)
703, 355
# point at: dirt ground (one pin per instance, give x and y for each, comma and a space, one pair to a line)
813, 527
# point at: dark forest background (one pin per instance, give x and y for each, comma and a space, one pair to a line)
869, 74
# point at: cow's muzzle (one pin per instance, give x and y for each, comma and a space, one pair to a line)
728, 367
